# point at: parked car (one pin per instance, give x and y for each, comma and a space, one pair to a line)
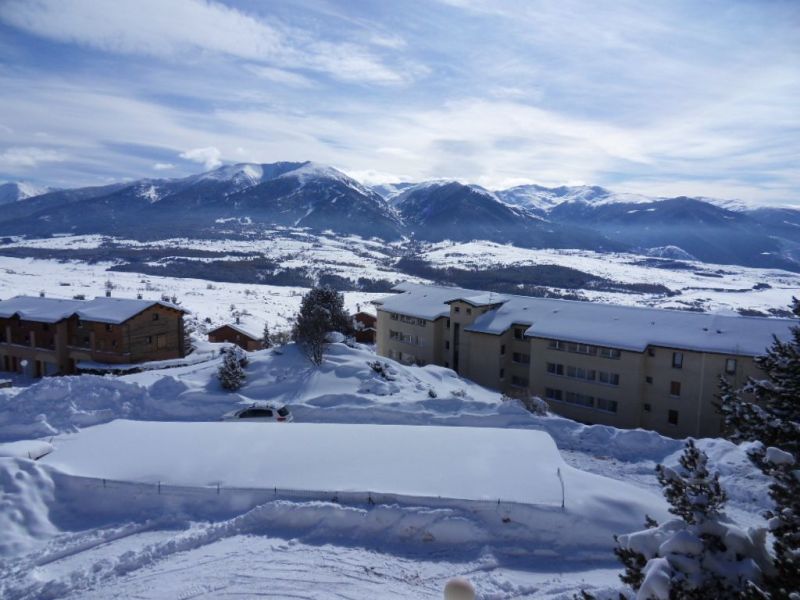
259, 413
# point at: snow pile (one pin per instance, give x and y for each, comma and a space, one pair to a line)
65, 403
27, 491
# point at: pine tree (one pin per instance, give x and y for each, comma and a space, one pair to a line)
189, 328
266, 338
692, 551
770, 414
321, 312
231, 374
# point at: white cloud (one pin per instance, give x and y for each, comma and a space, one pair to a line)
281, 76
29, 157
209, 156
178, 29
163, 166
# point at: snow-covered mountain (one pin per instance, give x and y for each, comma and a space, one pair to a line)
20, 190
246, 198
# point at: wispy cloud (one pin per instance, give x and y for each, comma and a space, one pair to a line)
29, 157
179, 29
163, 166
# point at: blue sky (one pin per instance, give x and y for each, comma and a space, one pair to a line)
656, 97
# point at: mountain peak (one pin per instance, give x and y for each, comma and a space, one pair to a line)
20, 190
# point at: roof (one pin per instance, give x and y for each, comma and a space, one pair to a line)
238, 329
624, 327
53, 310
481, 299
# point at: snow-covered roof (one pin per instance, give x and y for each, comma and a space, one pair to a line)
238, 328
426, 302
53, 310
625, 327
481, 299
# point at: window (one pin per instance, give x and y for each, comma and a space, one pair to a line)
448, 323
730, 366
45, 327
610, 353
502, 373
155, 316
523, 359
677, 360
552, 394
469, 311
675, 388
672, 417
648, 379
108, 326
517, 381
447, 344
607, 405
149, 339
555, 369
646, 407
405, 338
519, 333
608, 378
651, 352
456, 309
581, 373
410, 320
579, 399
446, 365
502, 349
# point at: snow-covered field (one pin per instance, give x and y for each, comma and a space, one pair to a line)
695, 285
703, 285
119, 510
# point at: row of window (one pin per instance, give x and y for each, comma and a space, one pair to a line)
584, 349
406, 338
581, 373
579, 399
408, 320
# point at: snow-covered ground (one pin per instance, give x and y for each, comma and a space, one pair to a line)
71, 533
695, 285
76, 530
702, 285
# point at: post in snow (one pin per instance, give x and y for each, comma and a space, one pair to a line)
561, 479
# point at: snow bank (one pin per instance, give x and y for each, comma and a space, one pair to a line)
26, 493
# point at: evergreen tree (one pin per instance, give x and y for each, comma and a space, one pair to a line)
321, 312
698, 555
189, 328
231, 374
768, 411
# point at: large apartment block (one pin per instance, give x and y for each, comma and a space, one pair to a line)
596, 363
51, 336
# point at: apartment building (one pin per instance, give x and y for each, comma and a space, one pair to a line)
51, 336
596, 363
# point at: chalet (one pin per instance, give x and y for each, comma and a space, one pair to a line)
365, 326
51, 336
614, 365
236, 334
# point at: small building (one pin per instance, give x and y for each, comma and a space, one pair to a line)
236, 334
365, 326
51, 336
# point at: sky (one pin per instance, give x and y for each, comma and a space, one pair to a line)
664, 97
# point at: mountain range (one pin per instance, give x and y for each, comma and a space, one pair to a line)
243, 199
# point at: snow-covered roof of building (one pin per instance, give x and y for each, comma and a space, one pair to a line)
624, 327
43, 310
423, 301
53, 310
481, 299
240, 329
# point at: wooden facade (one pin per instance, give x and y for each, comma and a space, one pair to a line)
365, 326
36, 347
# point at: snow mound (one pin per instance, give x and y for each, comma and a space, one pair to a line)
26, 491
